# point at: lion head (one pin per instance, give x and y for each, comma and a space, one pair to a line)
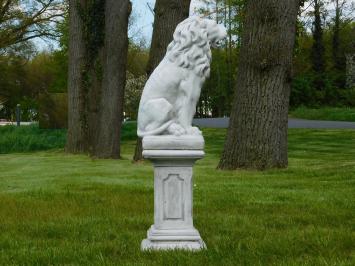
191, 47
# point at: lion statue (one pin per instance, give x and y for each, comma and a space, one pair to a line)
169, 99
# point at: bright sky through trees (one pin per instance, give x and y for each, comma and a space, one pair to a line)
144, 17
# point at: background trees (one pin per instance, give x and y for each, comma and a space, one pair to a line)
319, 74
21, 21
216, 100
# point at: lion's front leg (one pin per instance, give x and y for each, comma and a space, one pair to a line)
190, 89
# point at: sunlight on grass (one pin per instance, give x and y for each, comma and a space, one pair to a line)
325, 113
63, 209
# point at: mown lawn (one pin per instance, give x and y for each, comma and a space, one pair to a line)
325, 113
58, 209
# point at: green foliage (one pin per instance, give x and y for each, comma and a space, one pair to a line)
13, 84
133, 92
217, 93
59, 70
331, 90
24, 79
53, 110
302, 92
325, 113
129, 131
30, 138
59, 209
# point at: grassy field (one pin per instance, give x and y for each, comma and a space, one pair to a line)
325, 113
58, 209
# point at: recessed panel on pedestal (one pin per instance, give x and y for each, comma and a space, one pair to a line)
173, 197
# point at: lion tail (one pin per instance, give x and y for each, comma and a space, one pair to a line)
153, 132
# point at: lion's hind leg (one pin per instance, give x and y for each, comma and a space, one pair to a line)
156, 113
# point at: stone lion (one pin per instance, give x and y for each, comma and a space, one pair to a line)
169, 98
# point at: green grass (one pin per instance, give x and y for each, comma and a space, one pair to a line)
58, 209
325, 113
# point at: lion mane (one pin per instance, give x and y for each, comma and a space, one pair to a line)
190, 47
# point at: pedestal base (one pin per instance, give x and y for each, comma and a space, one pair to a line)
163, 239
172, 245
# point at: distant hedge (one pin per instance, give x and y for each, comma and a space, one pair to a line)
32, 138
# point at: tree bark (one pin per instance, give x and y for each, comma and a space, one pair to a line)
336, 38
97, 75
350, 71
257, 134
317, 54
168, 14
114, 64
77, 130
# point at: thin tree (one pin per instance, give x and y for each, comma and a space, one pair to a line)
167, 15
257, 134
77, 141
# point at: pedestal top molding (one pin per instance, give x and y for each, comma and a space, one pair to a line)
171, 142
166, 148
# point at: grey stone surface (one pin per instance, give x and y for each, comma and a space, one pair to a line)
173, 195
171, 142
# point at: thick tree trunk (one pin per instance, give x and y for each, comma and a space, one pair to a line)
77, 129
114, 63
97, 75
257, 134
350, 71
168, 14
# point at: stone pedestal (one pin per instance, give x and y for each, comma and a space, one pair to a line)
173, 159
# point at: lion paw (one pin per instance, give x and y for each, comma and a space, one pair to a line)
176, 129
194, 131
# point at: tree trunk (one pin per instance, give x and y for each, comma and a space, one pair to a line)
336, 38
168, 14
97, 75
257, 134
318, 49
77, 128
350, 71
114, 63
